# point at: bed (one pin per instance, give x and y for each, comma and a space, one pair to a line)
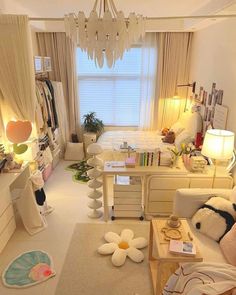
186, 129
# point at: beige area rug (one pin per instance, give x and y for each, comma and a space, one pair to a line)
85, 272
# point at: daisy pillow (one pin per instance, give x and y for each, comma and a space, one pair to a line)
121, 246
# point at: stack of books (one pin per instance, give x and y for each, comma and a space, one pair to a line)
153, 158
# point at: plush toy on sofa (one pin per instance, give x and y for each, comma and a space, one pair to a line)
215, 218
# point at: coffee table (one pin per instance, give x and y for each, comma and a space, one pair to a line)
165, 263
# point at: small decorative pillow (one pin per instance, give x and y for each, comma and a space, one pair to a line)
74, 151
228, 245
177, 128
169, 138
215, 218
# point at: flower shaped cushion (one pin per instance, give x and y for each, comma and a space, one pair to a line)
123, 246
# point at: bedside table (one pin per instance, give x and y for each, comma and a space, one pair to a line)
165, 263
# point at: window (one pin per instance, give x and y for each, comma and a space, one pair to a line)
114, 94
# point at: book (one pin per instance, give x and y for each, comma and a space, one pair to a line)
182, 248
130, 162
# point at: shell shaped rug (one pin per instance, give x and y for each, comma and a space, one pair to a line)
28, 269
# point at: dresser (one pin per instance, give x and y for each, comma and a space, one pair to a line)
9, 182
161, 189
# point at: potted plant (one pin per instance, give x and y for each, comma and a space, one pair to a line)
92, 124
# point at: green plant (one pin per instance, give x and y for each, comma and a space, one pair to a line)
92, 124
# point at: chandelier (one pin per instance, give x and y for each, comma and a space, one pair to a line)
106, 34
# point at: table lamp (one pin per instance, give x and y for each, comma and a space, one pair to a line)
218, 145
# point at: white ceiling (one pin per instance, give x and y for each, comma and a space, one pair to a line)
149, 8
57, 8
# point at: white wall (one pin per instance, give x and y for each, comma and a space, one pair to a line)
214, 60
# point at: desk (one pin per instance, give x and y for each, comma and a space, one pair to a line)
8, 182
160, 183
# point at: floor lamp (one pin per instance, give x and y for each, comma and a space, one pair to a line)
218, 145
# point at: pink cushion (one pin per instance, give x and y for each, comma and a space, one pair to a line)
228, 245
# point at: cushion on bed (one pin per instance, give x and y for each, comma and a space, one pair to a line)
228, 245
177, 128
192, 122
183, 137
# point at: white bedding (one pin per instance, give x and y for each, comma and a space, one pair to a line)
140, 140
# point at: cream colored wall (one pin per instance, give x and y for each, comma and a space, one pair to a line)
214, 60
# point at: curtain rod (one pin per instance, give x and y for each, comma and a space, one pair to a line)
148, 18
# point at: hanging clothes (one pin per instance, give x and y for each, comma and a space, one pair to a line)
51, 89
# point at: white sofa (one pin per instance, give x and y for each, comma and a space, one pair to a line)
186, 203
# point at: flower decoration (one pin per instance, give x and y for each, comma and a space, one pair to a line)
123, 245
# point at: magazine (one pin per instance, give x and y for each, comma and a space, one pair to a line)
182, 248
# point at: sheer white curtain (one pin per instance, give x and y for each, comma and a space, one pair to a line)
17, 85
148, 83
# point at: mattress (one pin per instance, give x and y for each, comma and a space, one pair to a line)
111, 141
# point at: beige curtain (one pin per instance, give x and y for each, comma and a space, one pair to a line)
173, 68
63, 54
17, 85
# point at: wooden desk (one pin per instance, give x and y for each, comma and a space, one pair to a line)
165, 263
160, 183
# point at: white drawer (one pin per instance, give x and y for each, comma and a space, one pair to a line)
127, 188
127, 207
226, 182
201, 182
127, 213
127, 194
127, 201
5, 199
169, 183
7, 233
6, 217
161, 195
160, 207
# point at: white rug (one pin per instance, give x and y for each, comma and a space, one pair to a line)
85, 272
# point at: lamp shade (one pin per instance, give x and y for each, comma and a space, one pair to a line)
218, 144
94, 149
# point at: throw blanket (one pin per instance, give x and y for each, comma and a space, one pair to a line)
201, 278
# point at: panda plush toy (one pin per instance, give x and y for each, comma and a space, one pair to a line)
215, 218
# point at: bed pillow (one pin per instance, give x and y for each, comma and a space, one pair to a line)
228, 245
177, 128
192, 122
183, 137
74, 151
215, 218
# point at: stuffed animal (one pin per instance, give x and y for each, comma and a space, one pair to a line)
10, 163
215, 218
169, 138
164, 131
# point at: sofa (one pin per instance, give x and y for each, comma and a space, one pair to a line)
215, 275
186, 203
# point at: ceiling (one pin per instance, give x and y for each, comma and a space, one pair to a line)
149, 8
57, 8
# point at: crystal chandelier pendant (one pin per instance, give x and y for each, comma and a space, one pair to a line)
106, 34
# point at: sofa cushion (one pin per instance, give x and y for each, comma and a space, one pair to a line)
215, 218
74, 151
228, 245
209, 249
